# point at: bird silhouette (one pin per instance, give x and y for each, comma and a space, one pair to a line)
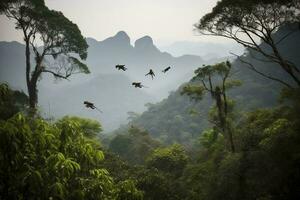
138, 85
167, 69
151, 73
91, 105
121, 67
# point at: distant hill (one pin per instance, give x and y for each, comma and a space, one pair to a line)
106, 85
207, 50
178, 119
139, 58
12, 64
111, 93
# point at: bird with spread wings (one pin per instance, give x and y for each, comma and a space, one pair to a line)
121, 67
91, 105
151, 73
138, 85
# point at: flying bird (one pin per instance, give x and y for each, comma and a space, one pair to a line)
91, 105
121, 67
151, 73
138, 85
167, 69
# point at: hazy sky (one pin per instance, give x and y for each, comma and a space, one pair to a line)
166, 21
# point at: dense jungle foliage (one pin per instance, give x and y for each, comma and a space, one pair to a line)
223, 135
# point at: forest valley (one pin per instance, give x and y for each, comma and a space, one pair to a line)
232, 132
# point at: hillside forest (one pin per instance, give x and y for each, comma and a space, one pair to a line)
230, 131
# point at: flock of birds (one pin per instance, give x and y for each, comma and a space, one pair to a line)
150, 73
135, 84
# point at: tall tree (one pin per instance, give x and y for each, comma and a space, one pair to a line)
214, 80
249, 22
61, 39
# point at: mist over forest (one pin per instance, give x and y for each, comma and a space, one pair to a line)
140, 115
105, 85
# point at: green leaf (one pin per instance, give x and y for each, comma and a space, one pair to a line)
196, 92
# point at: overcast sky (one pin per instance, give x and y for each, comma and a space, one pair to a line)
166, 21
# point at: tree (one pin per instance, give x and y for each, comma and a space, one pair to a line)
61, 39
39, 160
248, 22
11, 102
133, 146
126, 190
155, 184
209, 76
172, 159
90, 127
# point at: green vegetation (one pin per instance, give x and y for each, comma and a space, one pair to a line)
171, 160
55, 161
61, 40
134, 146
265, 165
11, 102
246, 21
182, 120
206, 75
204, 142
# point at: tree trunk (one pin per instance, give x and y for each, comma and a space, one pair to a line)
31, 84
289, 70
27, 56
222, 118
220, 108
32, 91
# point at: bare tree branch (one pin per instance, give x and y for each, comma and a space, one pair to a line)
252, 67
57, 74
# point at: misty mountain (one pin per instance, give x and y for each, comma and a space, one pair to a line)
106, 86
179, 119
12, 64
207, 50
111, 93
139, 58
